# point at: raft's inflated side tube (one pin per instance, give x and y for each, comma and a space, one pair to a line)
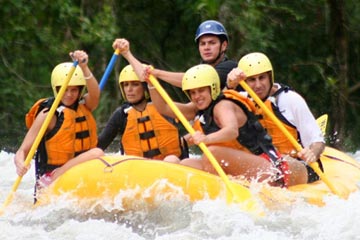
110, 174
343, 172
107, 176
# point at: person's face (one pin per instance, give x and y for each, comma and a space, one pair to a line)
71, 95
210, 47
260, 84
134, 91
201, 97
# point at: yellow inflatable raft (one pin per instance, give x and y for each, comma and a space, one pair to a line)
109, 176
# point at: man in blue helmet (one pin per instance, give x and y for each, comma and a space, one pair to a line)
212, 40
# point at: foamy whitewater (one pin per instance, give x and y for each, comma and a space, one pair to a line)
180, 219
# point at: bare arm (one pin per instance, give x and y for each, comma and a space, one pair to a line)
92, 97
174, 78
187, 109
123, 45
228, 118
85, 156
28, 141
317, 148
312, 153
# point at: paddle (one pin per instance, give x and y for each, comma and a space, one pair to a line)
239, 193
287, 134
322, 122
40, 134
108, 69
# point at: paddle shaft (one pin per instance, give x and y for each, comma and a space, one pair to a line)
41, 133
190, 129
293, 141
108, 69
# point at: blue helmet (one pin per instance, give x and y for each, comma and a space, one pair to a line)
211, 27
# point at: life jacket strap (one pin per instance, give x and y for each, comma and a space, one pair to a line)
152, 153
143, 119
147, 135
80, 119
83, 134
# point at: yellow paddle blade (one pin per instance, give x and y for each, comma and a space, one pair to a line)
322, 122
10, 196
241, 195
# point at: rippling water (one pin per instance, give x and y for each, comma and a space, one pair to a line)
207, 219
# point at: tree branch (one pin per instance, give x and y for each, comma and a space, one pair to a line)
12, 70
354, 88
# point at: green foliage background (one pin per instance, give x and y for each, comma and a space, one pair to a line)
313, 44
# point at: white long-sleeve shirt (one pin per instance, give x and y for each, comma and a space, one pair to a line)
295, 109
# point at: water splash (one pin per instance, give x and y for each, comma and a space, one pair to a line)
175, 219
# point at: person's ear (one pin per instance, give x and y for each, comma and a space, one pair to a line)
224, 46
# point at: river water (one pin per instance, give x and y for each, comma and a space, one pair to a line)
207, 219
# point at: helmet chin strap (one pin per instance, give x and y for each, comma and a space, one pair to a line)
267, 96
138, 102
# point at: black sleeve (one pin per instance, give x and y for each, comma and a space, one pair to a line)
223, 68
112, 128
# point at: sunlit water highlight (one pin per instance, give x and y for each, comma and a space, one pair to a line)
180, 219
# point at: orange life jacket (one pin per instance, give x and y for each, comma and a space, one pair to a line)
74, 132
35, 109
149, 134
279, 139
76, 135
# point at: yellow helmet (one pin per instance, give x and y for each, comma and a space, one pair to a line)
201, 75
60, 73
256, 63
128, 74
